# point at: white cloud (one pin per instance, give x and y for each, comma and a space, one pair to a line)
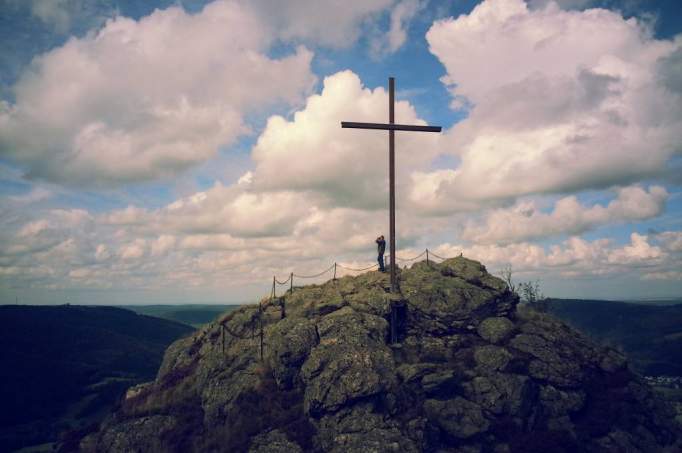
671, 240
34, 195
574, 257
313, 153
200, 241
330, 23
163, 244
33, 228
102, 253
638, 251
664, 275
562, 101
565, 4
231, 210
401, 16
133, 250
526, 221
145, 99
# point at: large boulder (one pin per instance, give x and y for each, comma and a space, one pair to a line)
471, 373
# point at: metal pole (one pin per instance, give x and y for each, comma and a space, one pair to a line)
274, 291
427, 256
391, 177
334, 271
291, 286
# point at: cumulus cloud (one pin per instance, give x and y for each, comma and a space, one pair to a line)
639, 250
560, 101
574, 257
565, 4
206, 240
526, 221
671, 240
134, 250
145, 99
349, 166
317, 192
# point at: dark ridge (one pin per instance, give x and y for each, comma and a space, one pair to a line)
65, 366
650, 335
192, 314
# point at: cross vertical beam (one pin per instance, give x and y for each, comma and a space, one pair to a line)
391, 178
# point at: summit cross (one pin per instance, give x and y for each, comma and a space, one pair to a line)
391, 127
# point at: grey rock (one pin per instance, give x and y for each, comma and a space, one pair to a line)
291, 340
437, 381
274, 441
495, 329
470, 366
458, 417
499, 393
361, 429
142, 434
491, 358
351, 361
558, 403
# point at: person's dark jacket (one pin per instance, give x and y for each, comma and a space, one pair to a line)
381, 246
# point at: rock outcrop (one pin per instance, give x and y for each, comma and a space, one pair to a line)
470, 373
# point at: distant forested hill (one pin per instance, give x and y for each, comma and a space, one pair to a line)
192, 314
650, 335
63, 366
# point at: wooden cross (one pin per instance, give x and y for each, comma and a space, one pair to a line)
391, 127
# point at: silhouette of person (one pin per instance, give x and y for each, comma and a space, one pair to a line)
381, 248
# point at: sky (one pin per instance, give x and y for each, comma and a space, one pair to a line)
186, 151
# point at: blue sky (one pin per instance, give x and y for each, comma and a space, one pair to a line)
186, 151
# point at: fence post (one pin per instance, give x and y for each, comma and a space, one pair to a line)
427, 256
334, 278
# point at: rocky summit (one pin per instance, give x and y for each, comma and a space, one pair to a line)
449, 365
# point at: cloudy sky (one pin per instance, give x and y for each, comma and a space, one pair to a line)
184, 151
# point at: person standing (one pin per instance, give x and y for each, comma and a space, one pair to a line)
381, 248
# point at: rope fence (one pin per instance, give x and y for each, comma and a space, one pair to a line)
333, 266
439, 257
290, 281
358, 270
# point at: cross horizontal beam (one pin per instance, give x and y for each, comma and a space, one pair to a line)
389, 127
